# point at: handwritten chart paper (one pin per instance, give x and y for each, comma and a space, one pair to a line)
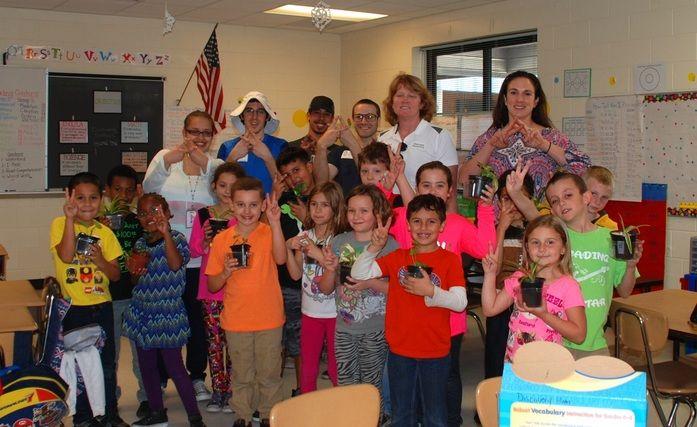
134, 132
72, 163
613, 132
575, 129
138, 160
73, 132
22, 129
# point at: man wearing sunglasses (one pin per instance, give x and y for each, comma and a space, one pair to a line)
256, 149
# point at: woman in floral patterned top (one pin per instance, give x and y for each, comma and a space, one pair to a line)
522, 130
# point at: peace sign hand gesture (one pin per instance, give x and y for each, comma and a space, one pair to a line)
70, 206
378, 239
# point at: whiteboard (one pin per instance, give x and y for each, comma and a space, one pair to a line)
22, 129
650, 138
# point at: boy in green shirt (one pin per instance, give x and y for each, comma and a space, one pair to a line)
594, 267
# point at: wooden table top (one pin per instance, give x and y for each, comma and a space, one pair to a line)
16, 319
19, 293
676, 304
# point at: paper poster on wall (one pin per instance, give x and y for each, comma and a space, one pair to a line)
72, 132
650, 78
173, 124
138, 160
471, 127
72, 163
134, 132
577, 83
575, 129
107, 101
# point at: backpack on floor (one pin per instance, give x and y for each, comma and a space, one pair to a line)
32, 397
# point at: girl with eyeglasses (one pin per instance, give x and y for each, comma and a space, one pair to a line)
183, 176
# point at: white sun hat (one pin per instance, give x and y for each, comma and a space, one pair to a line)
272, 122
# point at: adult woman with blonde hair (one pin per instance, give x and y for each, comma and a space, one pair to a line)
409, 107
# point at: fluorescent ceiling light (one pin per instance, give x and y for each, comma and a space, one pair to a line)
337, 14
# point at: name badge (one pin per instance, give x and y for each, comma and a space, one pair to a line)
190, 215
347, 155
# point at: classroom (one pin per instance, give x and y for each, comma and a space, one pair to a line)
589, 55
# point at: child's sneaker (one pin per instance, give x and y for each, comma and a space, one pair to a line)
196, 421
201, 391
226, 403
215, 405
154, 419
241, 423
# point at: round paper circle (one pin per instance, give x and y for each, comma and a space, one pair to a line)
543, 362
604, 367
300, 118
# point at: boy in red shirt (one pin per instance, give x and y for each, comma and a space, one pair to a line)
253, 306
417, 321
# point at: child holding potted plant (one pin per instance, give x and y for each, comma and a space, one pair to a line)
418, 311
209, 221
305, 260
360, 327
542, 313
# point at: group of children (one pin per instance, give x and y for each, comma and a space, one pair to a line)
382, 287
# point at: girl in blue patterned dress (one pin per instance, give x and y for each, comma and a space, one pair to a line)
156, 319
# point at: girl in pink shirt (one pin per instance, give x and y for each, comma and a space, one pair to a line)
562, 313
207, 223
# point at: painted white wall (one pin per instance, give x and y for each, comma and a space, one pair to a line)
611, 37
290, 67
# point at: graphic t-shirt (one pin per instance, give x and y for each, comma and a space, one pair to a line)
598, 273
82, 281
127, 236
364, 311
411, 328
523, 328
314, 302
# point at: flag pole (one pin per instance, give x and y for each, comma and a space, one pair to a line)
194, 70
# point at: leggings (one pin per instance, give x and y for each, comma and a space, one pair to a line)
313, 332
360, 358
218, 353
172, 358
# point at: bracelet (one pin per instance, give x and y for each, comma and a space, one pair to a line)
549, 148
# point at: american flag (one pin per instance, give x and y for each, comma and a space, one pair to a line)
209, 84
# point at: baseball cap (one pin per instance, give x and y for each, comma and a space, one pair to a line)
321, 102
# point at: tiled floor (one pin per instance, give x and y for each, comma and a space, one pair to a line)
471, 362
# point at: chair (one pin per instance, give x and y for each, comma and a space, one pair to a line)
346, 406
473, 269
487, 401
645, 332
50, 291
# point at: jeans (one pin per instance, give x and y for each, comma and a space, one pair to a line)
120, 307
103, 315
454, 386
429, 378
196, 347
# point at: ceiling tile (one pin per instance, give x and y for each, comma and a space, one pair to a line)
99, 7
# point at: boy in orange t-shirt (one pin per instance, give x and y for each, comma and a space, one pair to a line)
253, 306
417, 319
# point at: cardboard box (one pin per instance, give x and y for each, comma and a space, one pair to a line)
578, 401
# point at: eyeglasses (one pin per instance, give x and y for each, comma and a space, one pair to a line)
153, 211
200, 133
367, 117
252, 111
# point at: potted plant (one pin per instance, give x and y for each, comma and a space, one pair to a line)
478, 183
137, 260
531, 285
347, 257
298, 191
413, 270
217, 225
113, 211
624, 240
83, 242
241, 251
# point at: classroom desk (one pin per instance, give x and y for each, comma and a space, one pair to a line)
16, 320
676, 304
19, 293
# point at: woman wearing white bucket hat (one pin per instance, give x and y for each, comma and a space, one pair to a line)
256, 149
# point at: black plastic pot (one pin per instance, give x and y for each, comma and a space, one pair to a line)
477, 185
217, 225
241, 253
83, 242
344, 272
115, 221
413, 271
619, 244
532, 291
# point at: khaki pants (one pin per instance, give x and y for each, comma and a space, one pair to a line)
256, 364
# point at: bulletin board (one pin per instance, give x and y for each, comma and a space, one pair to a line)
96, 122
651, 138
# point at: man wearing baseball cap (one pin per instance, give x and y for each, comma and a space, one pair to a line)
256, 149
